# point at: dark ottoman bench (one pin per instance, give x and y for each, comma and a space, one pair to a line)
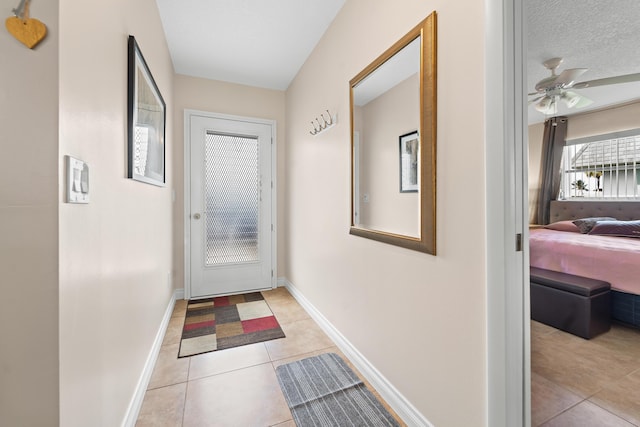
574, 304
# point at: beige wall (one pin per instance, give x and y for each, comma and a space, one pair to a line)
395, 113
116, 252
29, 225
620, 118
420, 319
227, 98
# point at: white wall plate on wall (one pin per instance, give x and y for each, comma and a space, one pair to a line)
77, 180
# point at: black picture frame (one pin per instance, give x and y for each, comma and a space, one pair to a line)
146, 121
409, 156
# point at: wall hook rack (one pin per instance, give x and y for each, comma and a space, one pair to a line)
323, 123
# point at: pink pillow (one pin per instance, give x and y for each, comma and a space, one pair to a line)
563, 226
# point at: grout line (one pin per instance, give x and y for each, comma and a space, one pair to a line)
637, 370
613, 413
189, 370
228, 372
184, 404
166, 385
562, 412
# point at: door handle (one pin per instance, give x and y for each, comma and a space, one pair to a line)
196, 216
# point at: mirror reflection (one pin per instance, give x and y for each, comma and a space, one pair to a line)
393, 113
386, 118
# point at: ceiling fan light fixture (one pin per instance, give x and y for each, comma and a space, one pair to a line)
583, 102
571, 99
547, 105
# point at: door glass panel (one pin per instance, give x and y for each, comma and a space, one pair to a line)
232, 193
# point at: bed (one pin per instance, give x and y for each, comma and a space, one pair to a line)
609, 258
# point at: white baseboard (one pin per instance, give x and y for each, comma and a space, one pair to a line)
389, 393
143, 382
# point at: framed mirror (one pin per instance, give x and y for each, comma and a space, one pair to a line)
393, 143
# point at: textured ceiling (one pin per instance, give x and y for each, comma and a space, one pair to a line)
259, 43
603, 36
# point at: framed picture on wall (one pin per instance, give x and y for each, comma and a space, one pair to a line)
409, 155
146, 121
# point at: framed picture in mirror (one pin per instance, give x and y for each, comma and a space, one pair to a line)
409, 154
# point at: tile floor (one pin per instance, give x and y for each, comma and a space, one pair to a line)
237, 386
577, 382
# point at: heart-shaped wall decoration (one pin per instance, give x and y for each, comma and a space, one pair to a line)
29, 32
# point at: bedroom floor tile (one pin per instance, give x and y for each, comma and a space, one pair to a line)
540, 329
586, 414
620, 339
622, 398
549, 399
597, 381
579, 365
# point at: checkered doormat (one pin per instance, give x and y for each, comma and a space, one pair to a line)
224, 322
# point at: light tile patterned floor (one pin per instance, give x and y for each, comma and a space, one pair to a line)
237, 386
578, 382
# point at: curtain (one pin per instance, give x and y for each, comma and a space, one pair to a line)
555, 133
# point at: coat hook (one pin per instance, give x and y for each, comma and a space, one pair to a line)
330, 118
320, 126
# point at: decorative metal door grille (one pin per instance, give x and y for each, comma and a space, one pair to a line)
232, 199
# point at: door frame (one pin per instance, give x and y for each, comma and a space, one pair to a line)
507, 276
188, 113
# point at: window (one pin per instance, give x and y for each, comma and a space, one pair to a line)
602, 167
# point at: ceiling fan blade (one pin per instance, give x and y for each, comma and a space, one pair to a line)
531, 101
568, 77
627, 78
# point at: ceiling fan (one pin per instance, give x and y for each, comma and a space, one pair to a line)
552, 89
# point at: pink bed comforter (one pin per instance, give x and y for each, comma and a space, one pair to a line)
614, 259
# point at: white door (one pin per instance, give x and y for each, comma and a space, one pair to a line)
231, 198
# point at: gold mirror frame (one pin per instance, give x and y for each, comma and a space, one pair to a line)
426, 241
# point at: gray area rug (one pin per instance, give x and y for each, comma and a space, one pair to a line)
323, 391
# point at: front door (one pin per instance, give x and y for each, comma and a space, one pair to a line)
231, 196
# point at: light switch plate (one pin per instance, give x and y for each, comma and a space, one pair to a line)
77, 180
